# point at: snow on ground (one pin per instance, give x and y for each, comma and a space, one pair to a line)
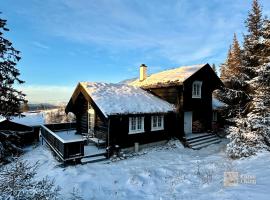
163, 172
92, 149
42, 117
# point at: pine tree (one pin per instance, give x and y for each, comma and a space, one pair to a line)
233, 76
225, 67
266, 41
252, 131
18, 182
252, 41
10, 98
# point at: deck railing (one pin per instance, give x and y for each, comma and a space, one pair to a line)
61, 126
65, 150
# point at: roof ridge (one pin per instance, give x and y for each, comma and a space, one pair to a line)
183, 66
170, 76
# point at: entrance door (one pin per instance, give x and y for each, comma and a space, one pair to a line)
188, 122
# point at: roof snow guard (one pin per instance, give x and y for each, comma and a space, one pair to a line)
113, 99
173, 76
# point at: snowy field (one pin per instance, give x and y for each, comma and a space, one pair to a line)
162, 172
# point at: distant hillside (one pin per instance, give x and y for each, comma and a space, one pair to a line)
41, 106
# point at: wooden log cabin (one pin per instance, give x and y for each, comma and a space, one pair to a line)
120, 114
171, 103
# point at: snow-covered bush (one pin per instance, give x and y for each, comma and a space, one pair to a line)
17, 182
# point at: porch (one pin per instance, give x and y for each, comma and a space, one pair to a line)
69, 146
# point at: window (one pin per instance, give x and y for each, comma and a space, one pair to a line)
196, 89
136, 125
157, 122
214, 116
91, 119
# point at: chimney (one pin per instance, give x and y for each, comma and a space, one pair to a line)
143, 72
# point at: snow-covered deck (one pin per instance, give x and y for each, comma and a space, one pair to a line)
69, 136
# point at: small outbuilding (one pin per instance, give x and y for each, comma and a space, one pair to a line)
25, 134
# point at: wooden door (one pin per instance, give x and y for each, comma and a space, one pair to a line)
188, 123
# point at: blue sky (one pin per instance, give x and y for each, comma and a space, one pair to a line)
67, 41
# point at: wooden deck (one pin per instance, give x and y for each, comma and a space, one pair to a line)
67, 145
66, 150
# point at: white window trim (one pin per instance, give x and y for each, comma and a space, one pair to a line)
157, 128
136, 130
199, 84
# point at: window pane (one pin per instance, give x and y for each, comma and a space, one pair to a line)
159, 121
196, 89
133, 123
154, 121
139, 123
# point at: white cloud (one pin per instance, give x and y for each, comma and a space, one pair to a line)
180, 31
40, 45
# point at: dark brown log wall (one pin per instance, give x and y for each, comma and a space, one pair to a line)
202, 107
119, 131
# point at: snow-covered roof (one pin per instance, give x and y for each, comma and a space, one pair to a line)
167, 77
125, 99
217, 104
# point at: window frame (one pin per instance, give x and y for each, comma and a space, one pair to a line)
215, 116
197, 89
139, 125
91, 118
157, 120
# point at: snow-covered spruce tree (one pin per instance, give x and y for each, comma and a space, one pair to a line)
265, 41
251, 132
17, 182
234, 78
10, 98
252, 40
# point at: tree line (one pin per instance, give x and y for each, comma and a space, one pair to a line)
246, 77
